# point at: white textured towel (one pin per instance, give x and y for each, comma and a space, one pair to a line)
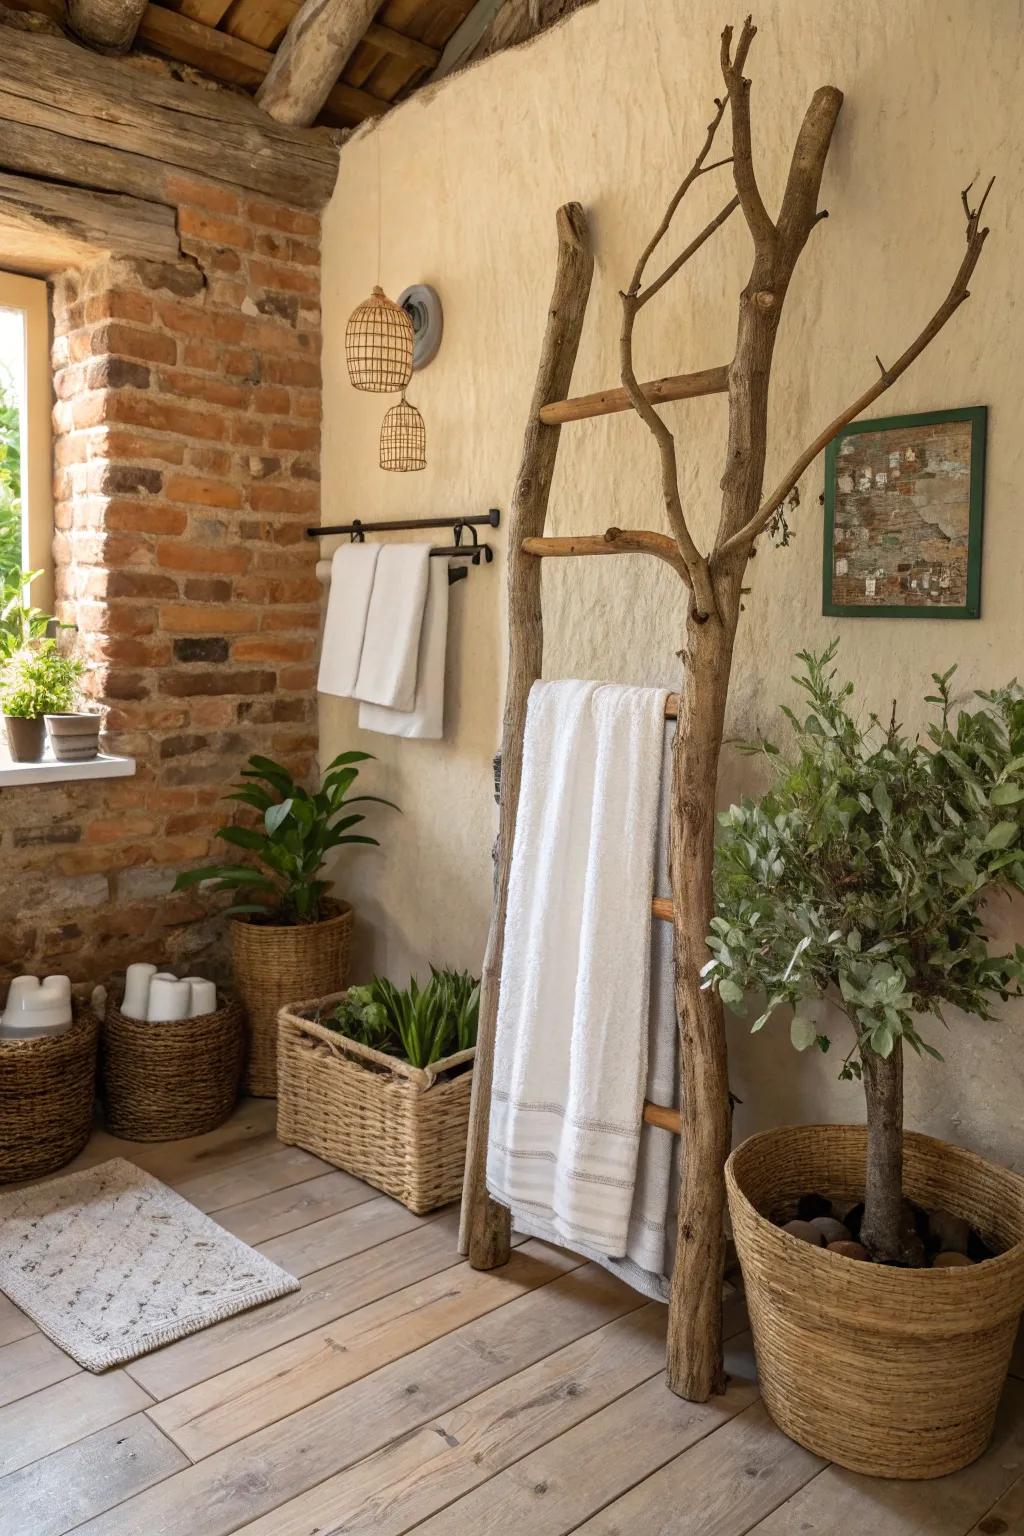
571, 1053
352, 568
426, 718
391, 643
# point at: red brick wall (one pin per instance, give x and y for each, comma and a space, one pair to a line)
187, 429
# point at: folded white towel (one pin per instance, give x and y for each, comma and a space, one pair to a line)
391, 643
352, 568
426, 718
571, 1053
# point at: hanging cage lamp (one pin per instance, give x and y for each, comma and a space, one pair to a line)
403, 439
378, 345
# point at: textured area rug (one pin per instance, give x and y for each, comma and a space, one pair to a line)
110, 1263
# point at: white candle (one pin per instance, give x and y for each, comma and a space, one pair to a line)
169, 999
136, 990
204, 996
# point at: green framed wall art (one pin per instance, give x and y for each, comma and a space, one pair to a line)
904, 504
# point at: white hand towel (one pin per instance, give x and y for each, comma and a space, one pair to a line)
425, 720
391, 643
571, 1053
352, 568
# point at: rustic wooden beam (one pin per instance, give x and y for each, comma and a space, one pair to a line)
46, 226
493, 25
662, 909
318, 44
390, 41
484, 1233
606, 402
109, 25
666, 1119
75, 116
616, 541
237, 62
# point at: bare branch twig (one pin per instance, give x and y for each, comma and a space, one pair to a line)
957, 295
684, 255
738, 96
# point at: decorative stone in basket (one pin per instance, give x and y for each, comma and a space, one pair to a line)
401, 1128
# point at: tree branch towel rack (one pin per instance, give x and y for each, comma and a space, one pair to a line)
474, 551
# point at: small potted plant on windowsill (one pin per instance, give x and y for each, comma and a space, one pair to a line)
377, 1081
862, 878
288, 937
38, 686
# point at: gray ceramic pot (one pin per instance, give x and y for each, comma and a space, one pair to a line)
74, 738
25, 738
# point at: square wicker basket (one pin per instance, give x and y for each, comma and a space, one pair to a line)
401, 1128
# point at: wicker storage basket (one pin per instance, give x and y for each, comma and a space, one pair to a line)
47, 1088
272, 966
892, 1372
403, 1129
161, 1082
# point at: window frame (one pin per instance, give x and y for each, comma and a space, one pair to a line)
31, 296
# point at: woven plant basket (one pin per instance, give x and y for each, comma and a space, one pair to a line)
272, 966
402, 1129
47, 1088
161, 1082
892, 1372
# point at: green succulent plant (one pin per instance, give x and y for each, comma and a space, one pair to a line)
296, 832
420, 1024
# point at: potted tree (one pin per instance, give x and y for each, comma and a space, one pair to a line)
861, 877
289, 938
39, 685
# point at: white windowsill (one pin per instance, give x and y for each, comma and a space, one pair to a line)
49, 771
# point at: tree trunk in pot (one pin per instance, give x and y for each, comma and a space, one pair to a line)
887, 1231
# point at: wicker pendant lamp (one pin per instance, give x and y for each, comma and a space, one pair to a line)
378, 345
403, 438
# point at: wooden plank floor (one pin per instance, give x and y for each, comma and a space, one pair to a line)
398, 1390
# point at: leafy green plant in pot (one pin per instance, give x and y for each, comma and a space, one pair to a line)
36, 682
862, 877
290, 940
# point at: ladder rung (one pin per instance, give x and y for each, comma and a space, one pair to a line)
661, 908
678, 386
667, 1119
615, 541
672, 707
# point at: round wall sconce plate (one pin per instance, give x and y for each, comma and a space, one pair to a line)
423, 306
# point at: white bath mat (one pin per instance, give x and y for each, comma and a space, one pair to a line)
110, 1263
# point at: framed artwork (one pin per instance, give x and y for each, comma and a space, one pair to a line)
904, 499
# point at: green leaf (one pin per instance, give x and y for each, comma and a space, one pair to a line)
729, 992
1002, 834
277, 815
1007, 794
802, 1032
882, 1040
881, 801
242, 837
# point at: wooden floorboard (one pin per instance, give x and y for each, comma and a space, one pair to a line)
399, 1391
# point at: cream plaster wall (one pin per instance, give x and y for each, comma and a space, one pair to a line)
608, 109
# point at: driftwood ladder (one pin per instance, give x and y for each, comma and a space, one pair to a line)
485, 1234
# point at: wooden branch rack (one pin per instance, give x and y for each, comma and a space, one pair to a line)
606, 402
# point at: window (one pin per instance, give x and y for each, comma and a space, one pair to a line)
26, 506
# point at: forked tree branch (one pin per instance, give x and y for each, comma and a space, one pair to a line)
957, 295
738, 89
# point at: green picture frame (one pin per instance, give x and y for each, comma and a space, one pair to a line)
835, 498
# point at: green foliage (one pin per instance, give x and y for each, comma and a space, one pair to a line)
39, 681
419, 1024
10, 484
865, 869
296, 832
21, 625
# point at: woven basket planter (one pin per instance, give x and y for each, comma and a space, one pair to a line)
161, 1082
272, 966
47, 1088
402, 1129
892, 1372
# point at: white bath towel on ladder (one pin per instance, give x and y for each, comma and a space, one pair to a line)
571, 1053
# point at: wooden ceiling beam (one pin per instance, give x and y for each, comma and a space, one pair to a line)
106, 123
235, 61
46, 226
109, 25
315, 49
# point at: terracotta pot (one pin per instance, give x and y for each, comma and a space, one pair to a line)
275, 965
25, 738
892, 1372
74, 738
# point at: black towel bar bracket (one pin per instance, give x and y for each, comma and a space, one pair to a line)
474, 551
